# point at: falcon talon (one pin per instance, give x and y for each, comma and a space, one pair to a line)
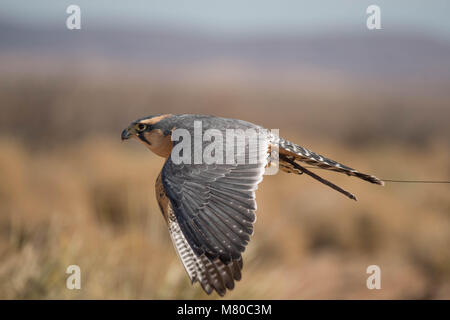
209, 204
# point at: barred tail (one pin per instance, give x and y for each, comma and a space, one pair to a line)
298, 153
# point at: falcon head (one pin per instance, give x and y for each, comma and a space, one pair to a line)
153, 131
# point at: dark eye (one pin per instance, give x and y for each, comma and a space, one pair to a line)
141, 127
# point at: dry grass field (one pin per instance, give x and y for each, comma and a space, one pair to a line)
72, 193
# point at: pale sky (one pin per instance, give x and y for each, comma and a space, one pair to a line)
237, 15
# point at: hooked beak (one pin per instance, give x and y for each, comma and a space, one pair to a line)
126, 134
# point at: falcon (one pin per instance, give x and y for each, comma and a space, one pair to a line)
209, 202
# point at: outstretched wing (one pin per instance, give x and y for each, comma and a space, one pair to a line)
211, 215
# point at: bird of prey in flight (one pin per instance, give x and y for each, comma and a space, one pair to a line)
209, 206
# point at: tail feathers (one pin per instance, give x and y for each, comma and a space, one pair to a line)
299, 153
300, 170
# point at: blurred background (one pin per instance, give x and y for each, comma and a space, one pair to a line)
376, 100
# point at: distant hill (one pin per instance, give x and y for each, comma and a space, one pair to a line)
379, 54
